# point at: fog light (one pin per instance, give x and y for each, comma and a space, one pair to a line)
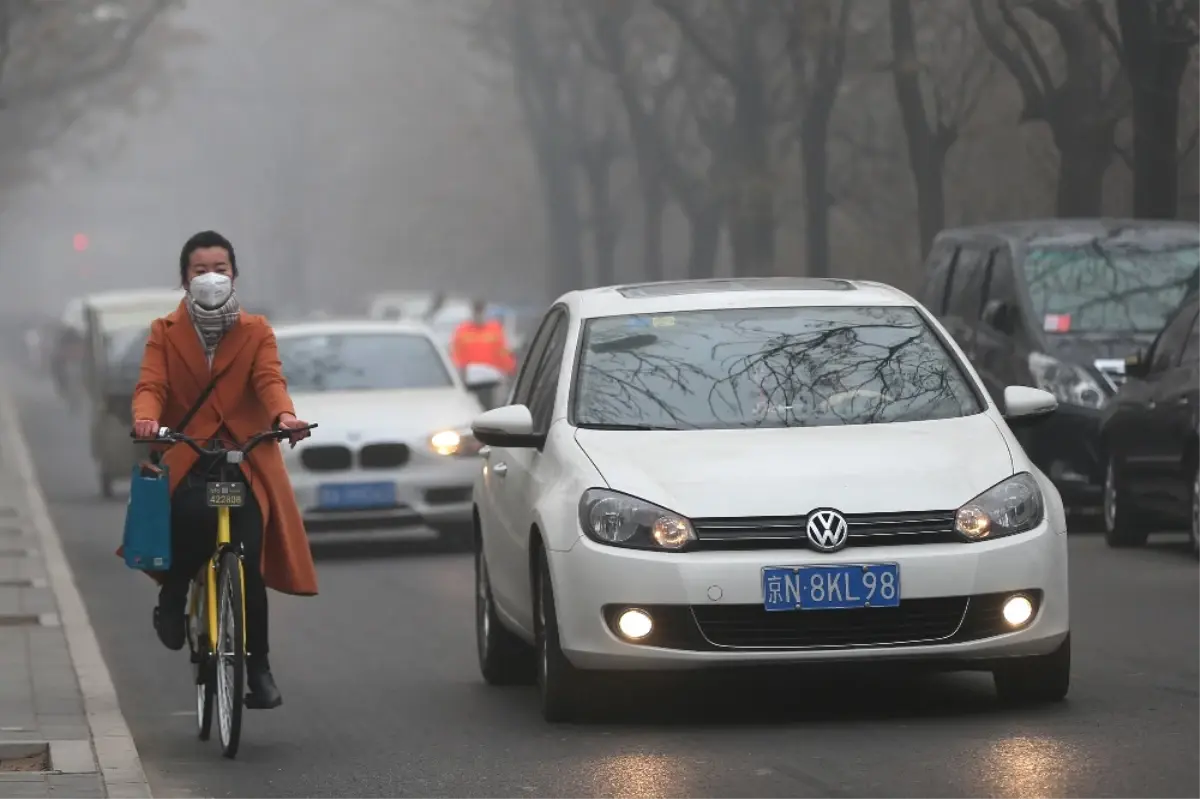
634, 624
1018, 610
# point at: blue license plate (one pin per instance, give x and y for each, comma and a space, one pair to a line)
841, 587
356, 496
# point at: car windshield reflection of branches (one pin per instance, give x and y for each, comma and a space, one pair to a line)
1111, 287
768, 367
361, 362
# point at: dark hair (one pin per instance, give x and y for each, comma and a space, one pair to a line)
201, 241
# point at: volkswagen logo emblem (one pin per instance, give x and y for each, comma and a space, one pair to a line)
827, 530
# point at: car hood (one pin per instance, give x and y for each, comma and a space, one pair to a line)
370, 415
911, 466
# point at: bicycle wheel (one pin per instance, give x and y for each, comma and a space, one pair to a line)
231, 653
202, 659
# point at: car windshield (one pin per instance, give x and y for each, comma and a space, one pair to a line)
766, 367
1109, 286
361, 362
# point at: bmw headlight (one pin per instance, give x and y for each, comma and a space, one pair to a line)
461, 443
1070, 384
624, 521
1007, 508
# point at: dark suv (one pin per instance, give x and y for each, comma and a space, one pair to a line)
1059, 305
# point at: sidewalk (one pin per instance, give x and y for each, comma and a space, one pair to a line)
61, 729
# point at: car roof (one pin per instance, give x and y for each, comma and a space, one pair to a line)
329, 327
1049, 232
718, 293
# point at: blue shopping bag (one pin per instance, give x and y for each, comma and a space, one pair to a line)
147, 541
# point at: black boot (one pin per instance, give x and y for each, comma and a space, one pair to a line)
264, 694
170, 619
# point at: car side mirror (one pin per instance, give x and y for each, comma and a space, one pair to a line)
507, 426
998, 314
1023, 402
480, 376
1137, 366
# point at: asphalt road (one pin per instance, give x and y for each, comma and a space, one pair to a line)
383, 698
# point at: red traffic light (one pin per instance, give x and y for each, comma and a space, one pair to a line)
81, 242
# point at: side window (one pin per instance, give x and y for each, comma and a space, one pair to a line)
966, 295
1002, 287
1191, 348
545, 385
1171, 340
533, 354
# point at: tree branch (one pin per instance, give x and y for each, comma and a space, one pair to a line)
704, 48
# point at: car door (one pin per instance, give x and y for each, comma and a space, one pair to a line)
1001, 337
965, 301
1147, 426
528, 473
494, 503
1170, 417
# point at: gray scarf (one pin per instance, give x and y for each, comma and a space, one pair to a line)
213, 325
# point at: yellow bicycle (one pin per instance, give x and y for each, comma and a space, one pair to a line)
216, 602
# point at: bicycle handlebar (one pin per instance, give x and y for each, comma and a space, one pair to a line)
168, 436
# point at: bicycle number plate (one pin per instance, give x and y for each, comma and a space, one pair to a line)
226, 495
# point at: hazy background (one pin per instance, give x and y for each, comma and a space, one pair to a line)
485, 146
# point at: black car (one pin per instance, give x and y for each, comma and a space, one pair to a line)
1149, 436
1059, 305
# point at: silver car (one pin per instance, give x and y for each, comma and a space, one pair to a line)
394, 450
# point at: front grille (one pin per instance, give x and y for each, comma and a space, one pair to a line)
383, 456
788, 532
326, 458
753, 627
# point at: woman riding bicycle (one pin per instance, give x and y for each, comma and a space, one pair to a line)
215, 369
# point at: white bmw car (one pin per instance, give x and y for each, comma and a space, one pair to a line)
394, 451
771, 471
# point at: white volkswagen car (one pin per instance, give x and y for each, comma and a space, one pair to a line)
771, 471
394, 451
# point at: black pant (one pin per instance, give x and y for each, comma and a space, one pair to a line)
193, 539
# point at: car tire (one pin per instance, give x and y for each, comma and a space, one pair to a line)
562, 686
1040, 679
504, 659
1195, 514
1124, 524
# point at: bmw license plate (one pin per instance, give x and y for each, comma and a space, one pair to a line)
840, 587
356, 496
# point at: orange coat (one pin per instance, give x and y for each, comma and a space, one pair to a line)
484, 343
249, 396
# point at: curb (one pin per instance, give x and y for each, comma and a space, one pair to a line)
116, 754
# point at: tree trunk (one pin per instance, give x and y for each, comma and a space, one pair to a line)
603, 221
928, 141
814, 151
1085, 150
653, 205
752, 212
705, 231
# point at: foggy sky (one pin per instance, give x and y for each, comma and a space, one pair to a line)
343, 145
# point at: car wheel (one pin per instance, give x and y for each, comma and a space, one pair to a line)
1196, 511
504, 659
1035, 680
1124, 524
561, 684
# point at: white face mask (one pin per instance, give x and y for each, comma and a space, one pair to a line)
210, 290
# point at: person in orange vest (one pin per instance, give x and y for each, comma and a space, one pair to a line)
482, 340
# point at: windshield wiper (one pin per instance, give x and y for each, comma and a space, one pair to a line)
626, 427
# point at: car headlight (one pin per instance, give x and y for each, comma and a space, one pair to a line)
1070, 384
624, 521
1013, 506
460, 443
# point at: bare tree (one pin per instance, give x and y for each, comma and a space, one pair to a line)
817, 54
934, 110
1155, 44
1082, 106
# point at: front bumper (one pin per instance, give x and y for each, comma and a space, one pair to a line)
710, 613
1065, 445
432, 493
